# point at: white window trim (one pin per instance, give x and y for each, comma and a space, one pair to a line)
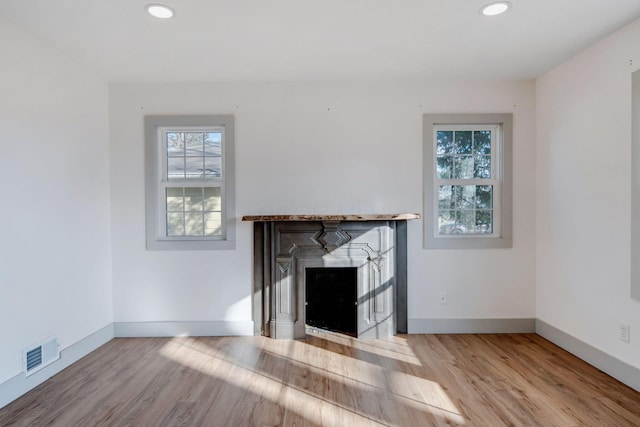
156, 182
501, 169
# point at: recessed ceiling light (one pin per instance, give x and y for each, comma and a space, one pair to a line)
497, 8
159, 11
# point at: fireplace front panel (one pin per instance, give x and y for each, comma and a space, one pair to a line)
283, 251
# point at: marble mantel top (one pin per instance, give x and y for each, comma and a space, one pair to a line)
350, 217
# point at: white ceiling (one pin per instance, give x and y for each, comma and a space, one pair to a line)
276, 40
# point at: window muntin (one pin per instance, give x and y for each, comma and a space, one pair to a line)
465, 182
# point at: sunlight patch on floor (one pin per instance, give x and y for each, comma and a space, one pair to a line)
333, 365
426, 395
316, 409
381, 347
354, 392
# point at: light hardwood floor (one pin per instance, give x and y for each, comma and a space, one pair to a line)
329, 380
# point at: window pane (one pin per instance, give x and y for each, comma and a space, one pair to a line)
444, 142
213, 144
213, 223
482, 167
446, 215
175, 167
213, 167
465, 209
212, 199
448, 222
463, 142
193, 199
194, 143
445, 197
195, 167
484, 221
175, 224
463, 167
445, 167
464, 196
484, 197
193, 224
175, 144
466, 221
194, 211
482, 141
175, 201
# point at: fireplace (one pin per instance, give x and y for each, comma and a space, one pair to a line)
291, 252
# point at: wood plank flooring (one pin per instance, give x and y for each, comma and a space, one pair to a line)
329, 380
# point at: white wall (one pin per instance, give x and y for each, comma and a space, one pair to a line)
55, 262
318, 148
583, 182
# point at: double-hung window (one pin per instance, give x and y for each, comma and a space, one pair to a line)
467, 180
189, 182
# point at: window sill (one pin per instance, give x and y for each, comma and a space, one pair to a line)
468, 243
191, 245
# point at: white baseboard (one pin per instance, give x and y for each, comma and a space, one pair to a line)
472, 326
622, 371
15, 387
178, 329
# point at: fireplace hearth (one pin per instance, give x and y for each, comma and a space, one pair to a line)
292, 251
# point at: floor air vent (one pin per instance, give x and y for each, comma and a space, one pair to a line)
40, 355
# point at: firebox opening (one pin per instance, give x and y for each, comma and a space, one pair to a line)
331, 299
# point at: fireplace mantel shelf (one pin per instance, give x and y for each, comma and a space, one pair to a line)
350, 217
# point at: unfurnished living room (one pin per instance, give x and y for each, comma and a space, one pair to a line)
304, 213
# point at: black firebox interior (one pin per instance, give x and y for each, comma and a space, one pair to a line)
331, 299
